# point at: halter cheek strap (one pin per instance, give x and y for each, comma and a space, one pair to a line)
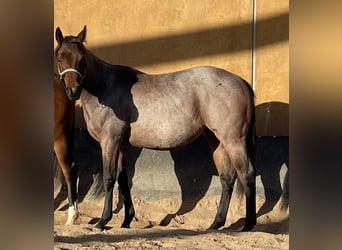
62, 73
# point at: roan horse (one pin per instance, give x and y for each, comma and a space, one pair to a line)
123, 106
64, 113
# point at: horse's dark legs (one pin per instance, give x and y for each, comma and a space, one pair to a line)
250, 201
125, 192
69, 170
238, 155
72, 195
110, 152
227, 177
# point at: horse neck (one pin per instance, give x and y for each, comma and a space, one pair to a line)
95, 76
100, 75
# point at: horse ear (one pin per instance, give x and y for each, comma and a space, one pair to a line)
81, 36
59, 35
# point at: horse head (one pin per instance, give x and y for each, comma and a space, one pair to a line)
71, 63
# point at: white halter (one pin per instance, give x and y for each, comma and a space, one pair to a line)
61, 74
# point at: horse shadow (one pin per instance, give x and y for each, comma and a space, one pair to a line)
273, 154
194, 168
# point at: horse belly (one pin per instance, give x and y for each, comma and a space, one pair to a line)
168, 116
164, 134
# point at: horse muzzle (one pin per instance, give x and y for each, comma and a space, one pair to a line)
73, 93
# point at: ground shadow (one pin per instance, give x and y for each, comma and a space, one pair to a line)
281, 227
122, 237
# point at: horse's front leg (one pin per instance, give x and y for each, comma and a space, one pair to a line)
110, 152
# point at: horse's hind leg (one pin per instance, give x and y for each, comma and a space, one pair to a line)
227, 176
239, 158
125, 192
69, 170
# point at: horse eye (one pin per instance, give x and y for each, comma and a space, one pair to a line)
58, 60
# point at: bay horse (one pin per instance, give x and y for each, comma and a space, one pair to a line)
124, 106
64, 114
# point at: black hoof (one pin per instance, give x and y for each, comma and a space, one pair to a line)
127, 221
248, 227
125, 225
166, 221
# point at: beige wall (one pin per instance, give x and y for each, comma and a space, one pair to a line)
158, 36
272, 68
116, 23
272, 61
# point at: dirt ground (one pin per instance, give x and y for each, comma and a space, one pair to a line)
187, 231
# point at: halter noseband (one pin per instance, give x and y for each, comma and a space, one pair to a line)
62, 73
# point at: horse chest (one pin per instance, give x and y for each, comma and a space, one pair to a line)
100, 120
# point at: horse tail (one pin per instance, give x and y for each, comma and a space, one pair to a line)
251, 137
250, 143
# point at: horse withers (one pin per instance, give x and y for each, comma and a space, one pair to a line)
64, 114
125, 106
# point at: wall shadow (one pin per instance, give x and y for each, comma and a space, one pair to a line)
215, 41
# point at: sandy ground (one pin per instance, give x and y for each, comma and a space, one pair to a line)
187, 231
